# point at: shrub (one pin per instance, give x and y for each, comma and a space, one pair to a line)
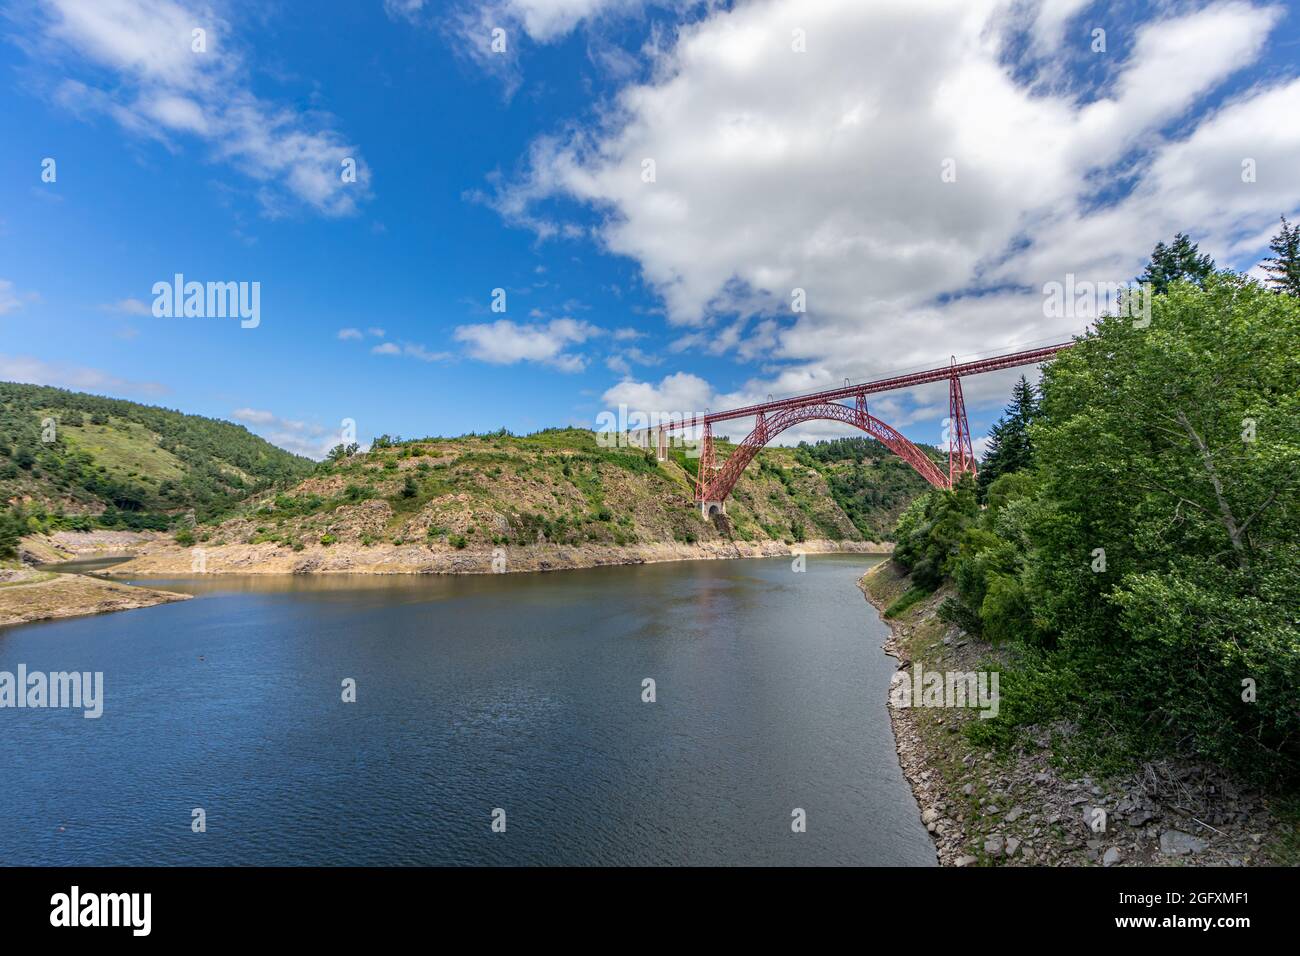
909, 598
1005, 612
953, 612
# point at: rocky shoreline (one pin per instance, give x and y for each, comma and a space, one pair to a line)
160, 559
35, 593
989, 809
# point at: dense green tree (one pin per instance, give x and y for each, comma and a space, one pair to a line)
12, 527
341, 451
866, 479
930, 530
1010, 448
1146, 565
1179, 260
1283, 267
1175, 450
220, 463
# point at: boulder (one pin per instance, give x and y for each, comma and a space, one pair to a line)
1178, 843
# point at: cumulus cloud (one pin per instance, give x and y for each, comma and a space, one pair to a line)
356, 334
408, 349
404, 9
476, 29
11, 300
34, 371
504, 342
543, 21
134, 60
680, 394
823, 171
546, 20
300, 437
128, 307
253, 416
622, 362
411, 350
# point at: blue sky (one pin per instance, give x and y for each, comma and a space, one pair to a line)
776, 168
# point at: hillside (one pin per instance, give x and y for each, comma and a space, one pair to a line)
1033, 803
75, 461
449, 503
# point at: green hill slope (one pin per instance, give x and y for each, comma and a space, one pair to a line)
73, 460
561, 487
107, 463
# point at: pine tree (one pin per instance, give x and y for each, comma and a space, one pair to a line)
1009, 447
1181, 260
1284, 268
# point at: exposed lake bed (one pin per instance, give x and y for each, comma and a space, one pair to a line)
28, 594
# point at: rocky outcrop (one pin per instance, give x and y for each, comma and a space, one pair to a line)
39, 549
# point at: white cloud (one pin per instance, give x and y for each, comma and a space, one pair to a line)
681, 394
299, 437
542, 20
472, 29
415, 351
35, 371
821, 170
253, 416
547, 20
1050, 19
405, 9
11, 300
411, 350
356, 334
622, 362
129, 307
161, 88
504, 342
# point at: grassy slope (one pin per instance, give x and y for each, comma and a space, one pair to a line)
557, 486
126, 450
109, 453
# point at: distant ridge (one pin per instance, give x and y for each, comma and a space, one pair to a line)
107, 462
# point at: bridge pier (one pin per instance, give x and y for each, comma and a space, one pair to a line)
710, 508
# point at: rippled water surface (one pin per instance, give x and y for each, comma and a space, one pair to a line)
520, 692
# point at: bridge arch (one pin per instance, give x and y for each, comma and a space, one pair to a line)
717, 487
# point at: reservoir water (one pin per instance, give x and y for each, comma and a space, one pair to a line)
520, 693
